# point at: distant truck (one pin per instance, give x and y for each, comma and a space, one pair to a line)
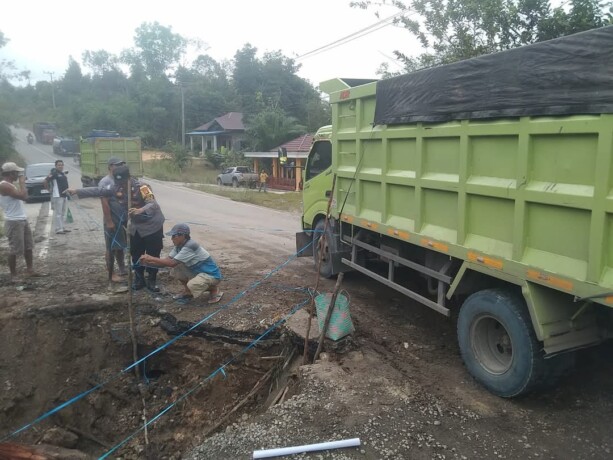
482, 190
44, 132
96, 151
238, 176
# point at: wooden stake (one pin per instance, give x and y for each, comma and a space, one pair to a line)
130, 309
317, 276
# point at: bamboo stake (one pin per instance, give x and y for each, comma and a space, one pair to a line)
130, 309
322, 333
317, 277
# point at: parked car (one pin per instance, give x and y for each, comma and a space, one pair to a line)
237, 176
35, 176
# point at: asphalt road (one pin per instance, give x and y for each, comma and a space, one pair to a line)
241, 228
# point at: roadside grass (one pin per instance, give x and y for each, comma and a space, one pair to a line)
283, 201
164, 169
201, 177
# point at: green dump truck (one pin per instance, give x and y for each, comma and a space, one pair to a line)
492, 180
96, 151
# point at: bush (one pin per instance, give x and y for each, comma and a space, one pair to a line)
178, 156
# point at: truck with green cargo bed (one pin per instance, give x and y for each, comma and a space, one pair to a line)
491, 180
96, 151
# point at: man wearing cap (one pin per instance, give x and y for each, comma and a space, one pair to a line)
114, 228
192, 265
16, 224
146, 219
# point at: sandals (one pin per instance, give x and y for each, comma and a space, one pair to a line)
216, 298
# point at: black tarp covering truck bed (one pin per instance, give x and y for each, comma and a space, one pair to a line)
566, 76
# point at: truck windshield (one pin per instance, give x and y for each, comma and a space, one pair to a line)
319, 160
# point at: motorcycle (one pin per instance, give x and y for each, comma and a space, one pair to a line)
30, 139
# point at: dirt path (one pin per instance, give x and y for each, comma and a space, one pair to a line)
398, 384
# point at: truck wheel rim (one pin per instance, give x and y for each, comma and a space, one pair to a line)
491, 344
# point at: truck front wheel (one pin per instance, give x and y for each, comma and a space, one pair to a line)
321, 243
498, 344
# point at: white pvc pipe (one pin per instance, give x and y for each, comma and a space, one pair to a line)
355, 442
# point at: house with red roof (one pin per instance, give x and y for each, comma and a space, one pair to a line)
288, 176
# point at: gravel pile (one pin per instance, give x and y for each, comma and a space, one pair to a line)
400, 428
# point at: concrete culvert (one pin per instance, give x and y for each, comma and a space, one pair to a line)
51, 355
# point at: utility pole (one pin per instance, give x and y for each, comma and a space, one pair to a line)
182, 115
52, 88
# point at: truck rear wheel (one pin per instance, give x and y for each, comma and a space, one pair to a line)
498, 344
322, 244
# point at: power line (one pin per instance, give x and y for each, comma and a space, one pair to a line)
353, 36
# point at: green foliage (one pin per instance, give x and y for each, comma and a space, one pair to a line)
6, 138
233, 158
179, 157
286, 201
197, 173
272, 82
145, 98
157, 48
272, 127
215, 158
452, 30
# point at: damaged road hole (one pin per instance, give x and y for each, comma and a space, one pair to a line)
51, 355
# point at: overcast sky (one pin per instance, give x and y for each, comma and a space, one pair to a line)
43, 34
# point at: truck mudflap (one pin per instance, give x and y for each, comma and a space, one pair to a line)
304, 244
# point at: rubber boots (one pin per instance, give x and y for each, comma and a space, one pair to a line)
139, 279
151, 282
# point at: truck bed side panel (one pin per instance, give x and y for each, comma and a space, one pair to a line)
532, 197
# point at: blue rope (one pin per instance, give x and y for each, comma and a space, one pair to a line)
220, 369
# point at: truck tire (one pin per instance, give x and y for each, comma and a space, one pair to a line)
235, 182
498, 344
326, 268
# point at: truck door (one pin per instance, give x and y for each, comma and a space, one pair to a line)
317, 181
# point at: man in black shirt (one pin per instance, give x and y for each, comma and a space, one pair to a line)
59, 184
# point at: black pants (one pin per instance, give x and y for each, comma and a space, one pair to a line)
150, 244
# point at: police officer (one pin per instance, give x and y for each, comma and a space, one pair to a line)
146, 221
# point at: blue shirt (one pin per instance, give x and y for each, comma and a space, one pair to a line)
196, 258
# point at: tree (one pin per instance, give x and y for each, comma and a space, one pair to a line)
100, 61
6, 138
273, 82
452, 30
157, 48
270, 128
247, 79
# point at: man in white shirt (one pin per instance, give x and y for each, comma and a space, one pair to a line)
16, 226
59, 183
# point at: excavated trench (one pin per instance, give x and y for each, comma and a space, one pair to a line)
82, 354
